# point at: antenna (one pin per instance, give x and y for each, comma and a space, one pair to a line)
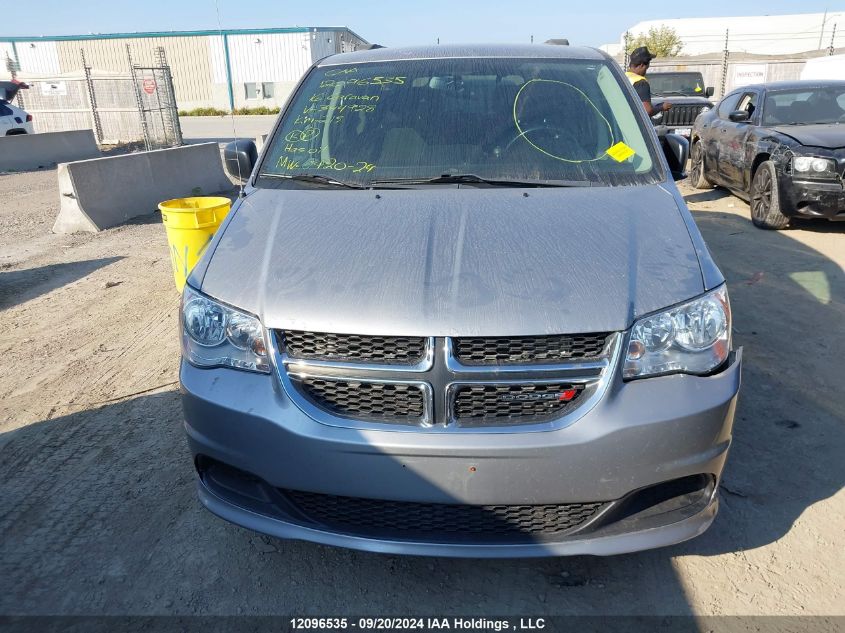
241, 193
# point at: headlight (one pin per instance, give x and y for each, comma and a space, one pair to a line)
215, 335
693, 338
705, 109
813, 167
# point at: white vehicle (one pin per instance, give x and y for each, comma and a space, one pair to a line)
13, 120
830, 67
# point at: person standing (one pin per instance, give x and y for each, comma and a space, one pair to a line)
637, 68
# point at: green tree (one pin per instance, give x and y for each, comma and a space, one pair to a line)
663, 41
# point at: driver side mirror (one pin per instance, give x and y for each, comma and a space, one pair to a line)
240, 157
709, 90
676, 149
739, 116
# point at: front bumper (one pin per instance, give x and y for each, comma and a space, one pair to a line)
808, 199
641, 434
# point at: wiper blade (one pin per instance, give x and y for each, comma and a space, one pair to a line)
446, 179
317, 178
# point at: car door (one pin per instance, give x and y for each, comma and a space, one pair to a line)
732, 156
711, 135
6, 120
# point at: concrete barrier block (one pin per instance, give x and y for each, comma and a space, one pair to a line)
24, 152
104, 192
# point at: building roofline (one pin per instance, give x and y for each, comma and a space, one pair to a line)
143, 34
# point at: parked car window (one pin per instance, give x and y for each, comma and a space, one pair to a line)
679, 84
748, 102
817, 105
5, 110
728, 105
500, 119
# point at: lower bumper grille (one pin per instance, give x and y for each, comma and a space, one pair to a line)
442, 522
384, 402
513, 404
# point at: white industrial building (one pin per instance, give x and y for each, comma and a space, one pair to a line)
762, 34
225, 69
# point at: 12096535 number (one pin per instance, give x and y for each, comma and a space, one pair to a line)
309, 624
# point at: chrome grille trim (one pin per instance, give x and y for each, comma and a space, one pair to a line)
441, 377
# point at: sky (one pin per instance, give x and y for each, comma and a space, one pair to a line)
389, 23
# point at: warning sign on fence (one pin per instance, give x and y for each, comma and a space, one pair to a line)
53, 89
149, 86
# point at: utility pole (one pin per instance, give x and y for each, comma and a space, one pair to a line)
725, 56
821, 32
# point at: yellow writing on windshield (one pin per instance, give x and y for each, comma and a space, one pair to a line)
341, 71
343, 97
357, 167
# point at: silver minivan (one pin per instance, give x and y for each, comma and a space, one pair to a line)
460, 308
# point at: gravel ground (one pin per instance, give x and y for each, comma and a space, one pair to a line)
97, 506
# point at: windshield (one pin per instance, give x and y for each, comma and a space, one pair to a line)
525, 120
805, 106
687, 84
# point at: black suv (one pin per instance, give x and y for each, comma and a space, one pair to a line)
688, 96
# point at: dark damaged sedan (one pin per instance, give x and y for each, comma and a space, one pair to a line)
461, 309
780, 145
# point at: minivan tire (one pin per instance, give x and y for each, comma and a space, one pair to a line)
765, 199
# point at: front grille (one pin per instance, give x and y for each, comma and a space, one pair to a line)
440, 383
512, 404
393, 350
385, 402
528, 349
681, 114
443, 522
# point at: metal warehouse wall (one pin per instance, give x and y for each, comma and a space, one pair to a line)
188, 58
275, 58
271, 60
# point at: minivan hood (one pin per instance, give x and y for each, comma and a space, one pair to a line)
828, 135
449, 261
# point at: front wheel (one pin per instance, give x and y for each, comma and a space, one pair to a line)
696, 172
765, 199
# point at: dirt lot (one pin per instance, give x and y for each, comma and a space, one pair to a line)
97, 506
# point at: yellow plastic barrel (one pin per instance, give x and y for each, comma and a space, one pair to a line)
190, 225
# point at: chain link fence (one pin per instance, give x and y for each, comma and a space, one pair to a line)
136, 107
